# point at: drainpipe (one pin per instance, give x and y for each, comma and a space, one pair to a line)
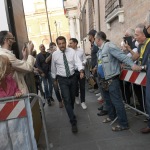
99, 25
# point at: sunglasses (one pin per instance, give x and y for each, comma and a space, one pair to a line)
12, 38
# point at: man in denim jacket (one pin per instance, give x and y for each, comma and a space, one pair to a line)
111, 58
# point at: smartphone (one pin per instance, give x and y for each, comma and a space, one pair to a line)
128, 40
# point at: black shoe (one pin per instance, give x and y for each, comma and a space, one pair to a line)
100, 108
102, 113
43, 104
49, 102
52, 99
74, 129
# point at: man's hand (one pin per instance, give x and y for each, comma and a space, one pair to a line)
128, 48
42, 74
55, 82
81, 75
36, 70
48, 59
136, 68
24, 53
94, 70
18, 94
122, 66
30, 47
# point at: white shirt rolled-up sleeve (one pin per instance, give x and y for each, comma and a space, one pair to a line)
53, 68
78, 63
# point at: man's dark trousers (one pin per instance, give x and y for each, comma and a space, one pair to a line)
80, 83
68, 87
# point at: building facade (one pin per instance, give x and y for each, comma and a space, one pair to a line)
111, 16
38, 28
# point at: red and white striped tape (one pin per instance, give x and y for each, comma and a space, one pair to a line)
133, 77
11, 110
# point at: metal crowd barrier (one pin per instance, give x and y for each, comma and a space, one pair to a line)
10, 103
138, 78
134, 78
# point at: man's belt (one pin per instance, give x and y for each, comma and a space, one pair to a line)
65, 77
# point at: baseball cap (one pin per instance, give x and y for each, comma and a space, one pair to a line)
92, 32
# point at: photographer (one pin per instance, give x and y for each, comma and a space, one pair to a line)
21, 67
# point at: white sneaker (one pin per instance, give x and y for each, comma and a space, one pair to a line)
83, 105
99, 98
77, 100
99, 94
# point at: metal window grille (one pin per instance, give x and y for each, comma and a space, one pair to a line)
111, 5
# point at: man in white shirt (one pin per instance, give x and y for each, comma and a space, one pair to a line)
64, 63
80, 82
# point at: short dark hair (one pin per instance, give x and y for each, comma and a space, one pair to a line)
2, 36
60, 38
74, 40
92, 32
52, 44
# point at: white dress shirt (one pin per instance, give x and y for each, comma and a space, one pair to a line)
57, 66
81, 55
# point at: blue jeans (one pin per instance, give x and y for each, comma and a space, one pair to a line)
115, 104
102, 94
47, 81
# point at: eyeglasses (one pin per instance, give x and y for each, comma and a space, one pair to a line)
12, 38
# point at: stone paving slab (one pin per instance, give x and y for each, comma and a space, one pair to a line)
93, 134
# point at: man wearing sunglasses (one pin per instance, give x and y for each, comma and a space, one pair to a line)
20, 66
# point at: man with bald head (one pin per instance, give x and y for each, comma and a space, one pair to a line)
44, 66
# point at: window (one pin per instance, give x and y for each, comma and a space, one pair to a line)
111, 5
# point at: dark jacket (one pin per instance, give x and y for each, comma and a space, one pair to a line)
94, 50
146, 56
41, 64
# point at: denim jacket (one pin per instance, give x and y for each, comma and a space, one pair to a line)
112, 56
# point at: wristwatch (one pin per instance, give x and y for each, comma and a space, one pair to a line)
143, 67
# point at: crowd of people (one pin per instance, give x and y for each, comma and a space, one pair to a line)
62, 67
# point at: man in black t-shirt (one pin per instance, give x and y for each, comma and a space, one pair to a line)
94, 50
46, 74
